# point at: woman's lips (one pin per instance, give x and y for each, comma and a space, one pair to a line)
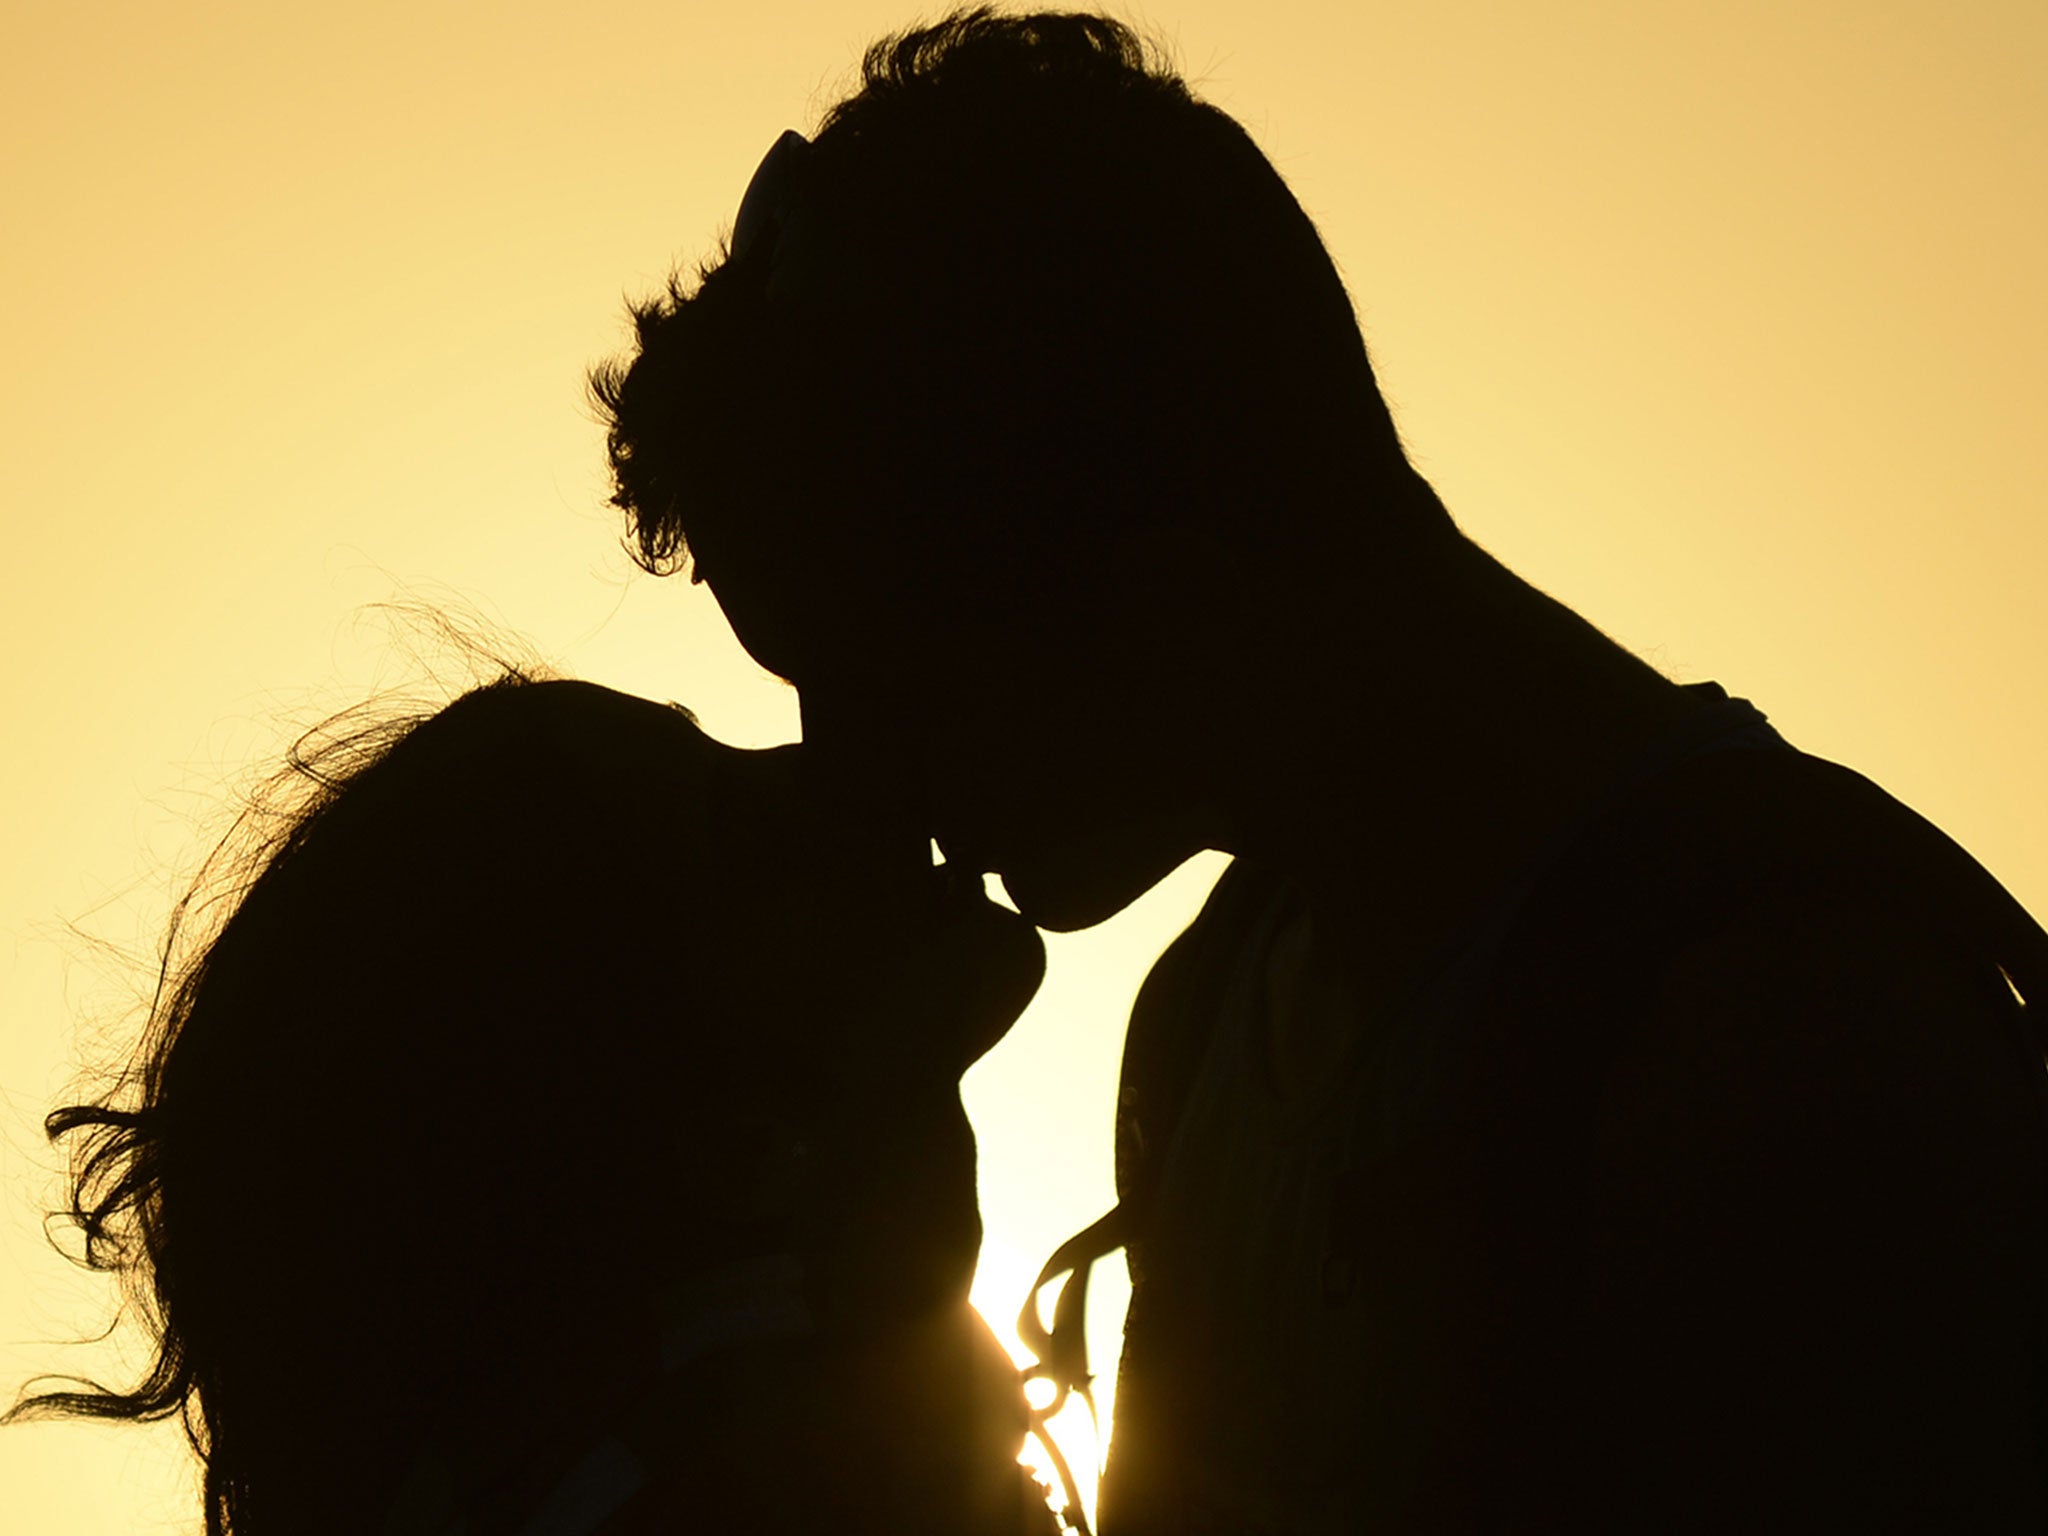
963, 852
959, 885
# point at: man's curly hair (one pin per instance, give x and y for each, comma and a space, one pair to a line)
1045, 297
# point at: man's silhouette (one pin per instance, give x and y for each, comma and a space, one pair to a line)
1575, 1109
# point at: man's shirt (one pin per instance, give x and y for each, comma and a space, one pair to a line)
1702, 1185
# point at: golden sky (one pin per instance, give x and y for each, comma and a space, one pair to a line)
1723, 322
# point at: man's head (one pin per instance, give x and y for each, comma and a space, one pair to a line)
1021, 378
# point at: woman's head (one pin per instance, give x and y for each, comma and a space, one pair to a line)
537, 1012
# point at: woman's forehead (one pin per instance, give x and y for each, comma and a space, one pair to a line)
825, 829
744, 826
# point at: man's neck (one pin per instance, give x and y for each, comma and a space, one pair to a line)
1429, 750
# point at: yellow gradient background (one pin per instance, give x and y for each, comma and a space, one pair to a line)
1722, 321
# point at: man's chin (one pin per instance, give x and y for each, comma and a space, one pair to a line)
1066, 895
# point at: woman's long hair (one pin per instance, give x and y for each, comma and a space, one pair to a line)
401, 1032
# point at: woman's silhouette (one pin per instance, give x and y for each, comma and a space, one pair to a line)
561, 1134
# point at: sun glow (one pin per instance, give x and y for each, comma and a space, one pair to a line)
1001, 1283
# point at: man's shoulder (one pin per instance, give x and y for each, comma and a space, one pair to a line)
1713, 838
1768, 892
1759, 1106
1740, 892
1763, 843
1775, 972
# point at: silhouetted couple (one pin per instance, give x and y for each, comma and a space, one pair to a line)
1574, 1110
